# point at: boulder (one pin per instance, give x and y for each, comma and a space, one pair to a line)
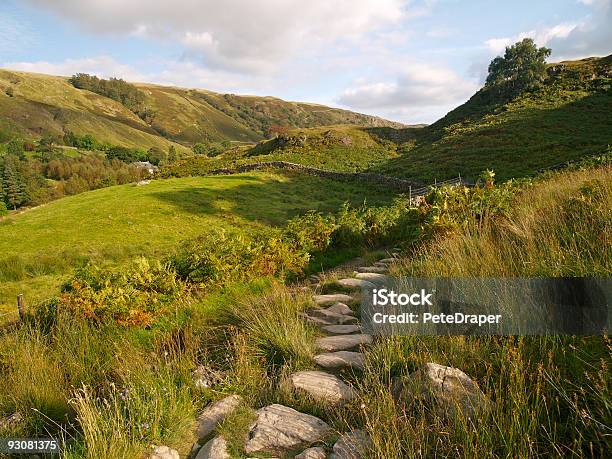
351, 445
324, 300
341, 329
215, 413
317, 452
163, 452
372, 269
279, 429
322, 386
453, 392
355, 283
341, 359
214, 449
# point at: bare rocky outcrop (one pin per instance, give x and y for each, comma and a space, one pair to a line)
322, 386
215, 413
279, 429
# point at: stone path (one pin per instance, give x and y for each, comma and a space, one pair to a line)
279, 429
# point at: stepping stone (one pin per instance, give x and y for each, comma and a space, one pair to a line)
322, 386
375, 278
351, 445
341, 359
341, 308
163, 452
342, 342
380, 264
214, 449
372, 269
324, 300
355, 283
315, 320
341, 329
215, 413
279, 429
332, 318
387, 260
312, 453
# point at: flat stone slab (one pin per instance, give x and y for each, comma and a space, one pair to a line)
351, 445
322, 386
317, 452
279, 429
341, 329
214, 449
341, 359
387, 260
332, 318
372, 269
355, 283
315, 320
340, 308
215, 413
342, 342
324, 300
375, 278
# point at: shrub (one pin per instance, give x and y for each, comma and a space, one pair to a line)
135, 295
218, 257
3, 209
310, 232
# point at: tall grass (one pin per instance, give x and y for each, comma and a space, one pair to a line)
559, 227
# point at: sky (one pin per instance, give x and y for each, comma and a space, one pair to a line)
406, 60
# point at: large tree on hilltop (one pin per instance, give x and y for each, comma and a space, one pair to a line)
522, 67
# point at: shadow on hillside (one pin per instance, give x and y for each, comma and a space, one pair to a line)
270, 199
513, 143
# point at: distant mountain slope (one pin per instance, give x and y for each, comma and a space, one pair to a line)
32, 105
569, 117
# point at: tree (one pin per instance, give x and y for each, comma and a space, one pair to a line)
13, 187
172, 156
15, 148
522, 67
156, 155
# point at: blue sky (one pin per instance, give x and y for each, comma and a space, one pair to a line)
407, 60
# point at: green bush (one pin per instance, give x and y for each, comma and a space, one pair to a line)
3, 209
135, 295
217, 257
310, 232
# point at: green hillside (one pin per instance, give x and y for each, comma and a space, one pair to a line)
33, 105
116, 223
568, 117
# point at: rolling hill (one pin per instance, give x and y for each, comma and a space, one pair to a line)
33, 105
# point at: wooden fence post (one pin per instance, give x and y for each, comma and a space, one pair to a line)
21, 306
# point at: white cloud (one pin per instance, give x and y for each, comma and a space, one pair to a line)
420, 88
102, 66
239, 34
541, 37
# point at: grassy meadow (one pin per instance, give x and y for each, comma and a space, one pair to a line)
41, 245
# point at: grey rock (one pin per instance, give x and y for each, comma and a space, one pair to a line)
341, 329
355, 283
214, 449
340, 308
324, 300
342, 342
163, 452
352, 445
332, 318
375, 278
454, 392
388, 260
322, 386
372, 269
206, 377
341, 359
11, 420
315, 320
215, 413
279, 429
317, 452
